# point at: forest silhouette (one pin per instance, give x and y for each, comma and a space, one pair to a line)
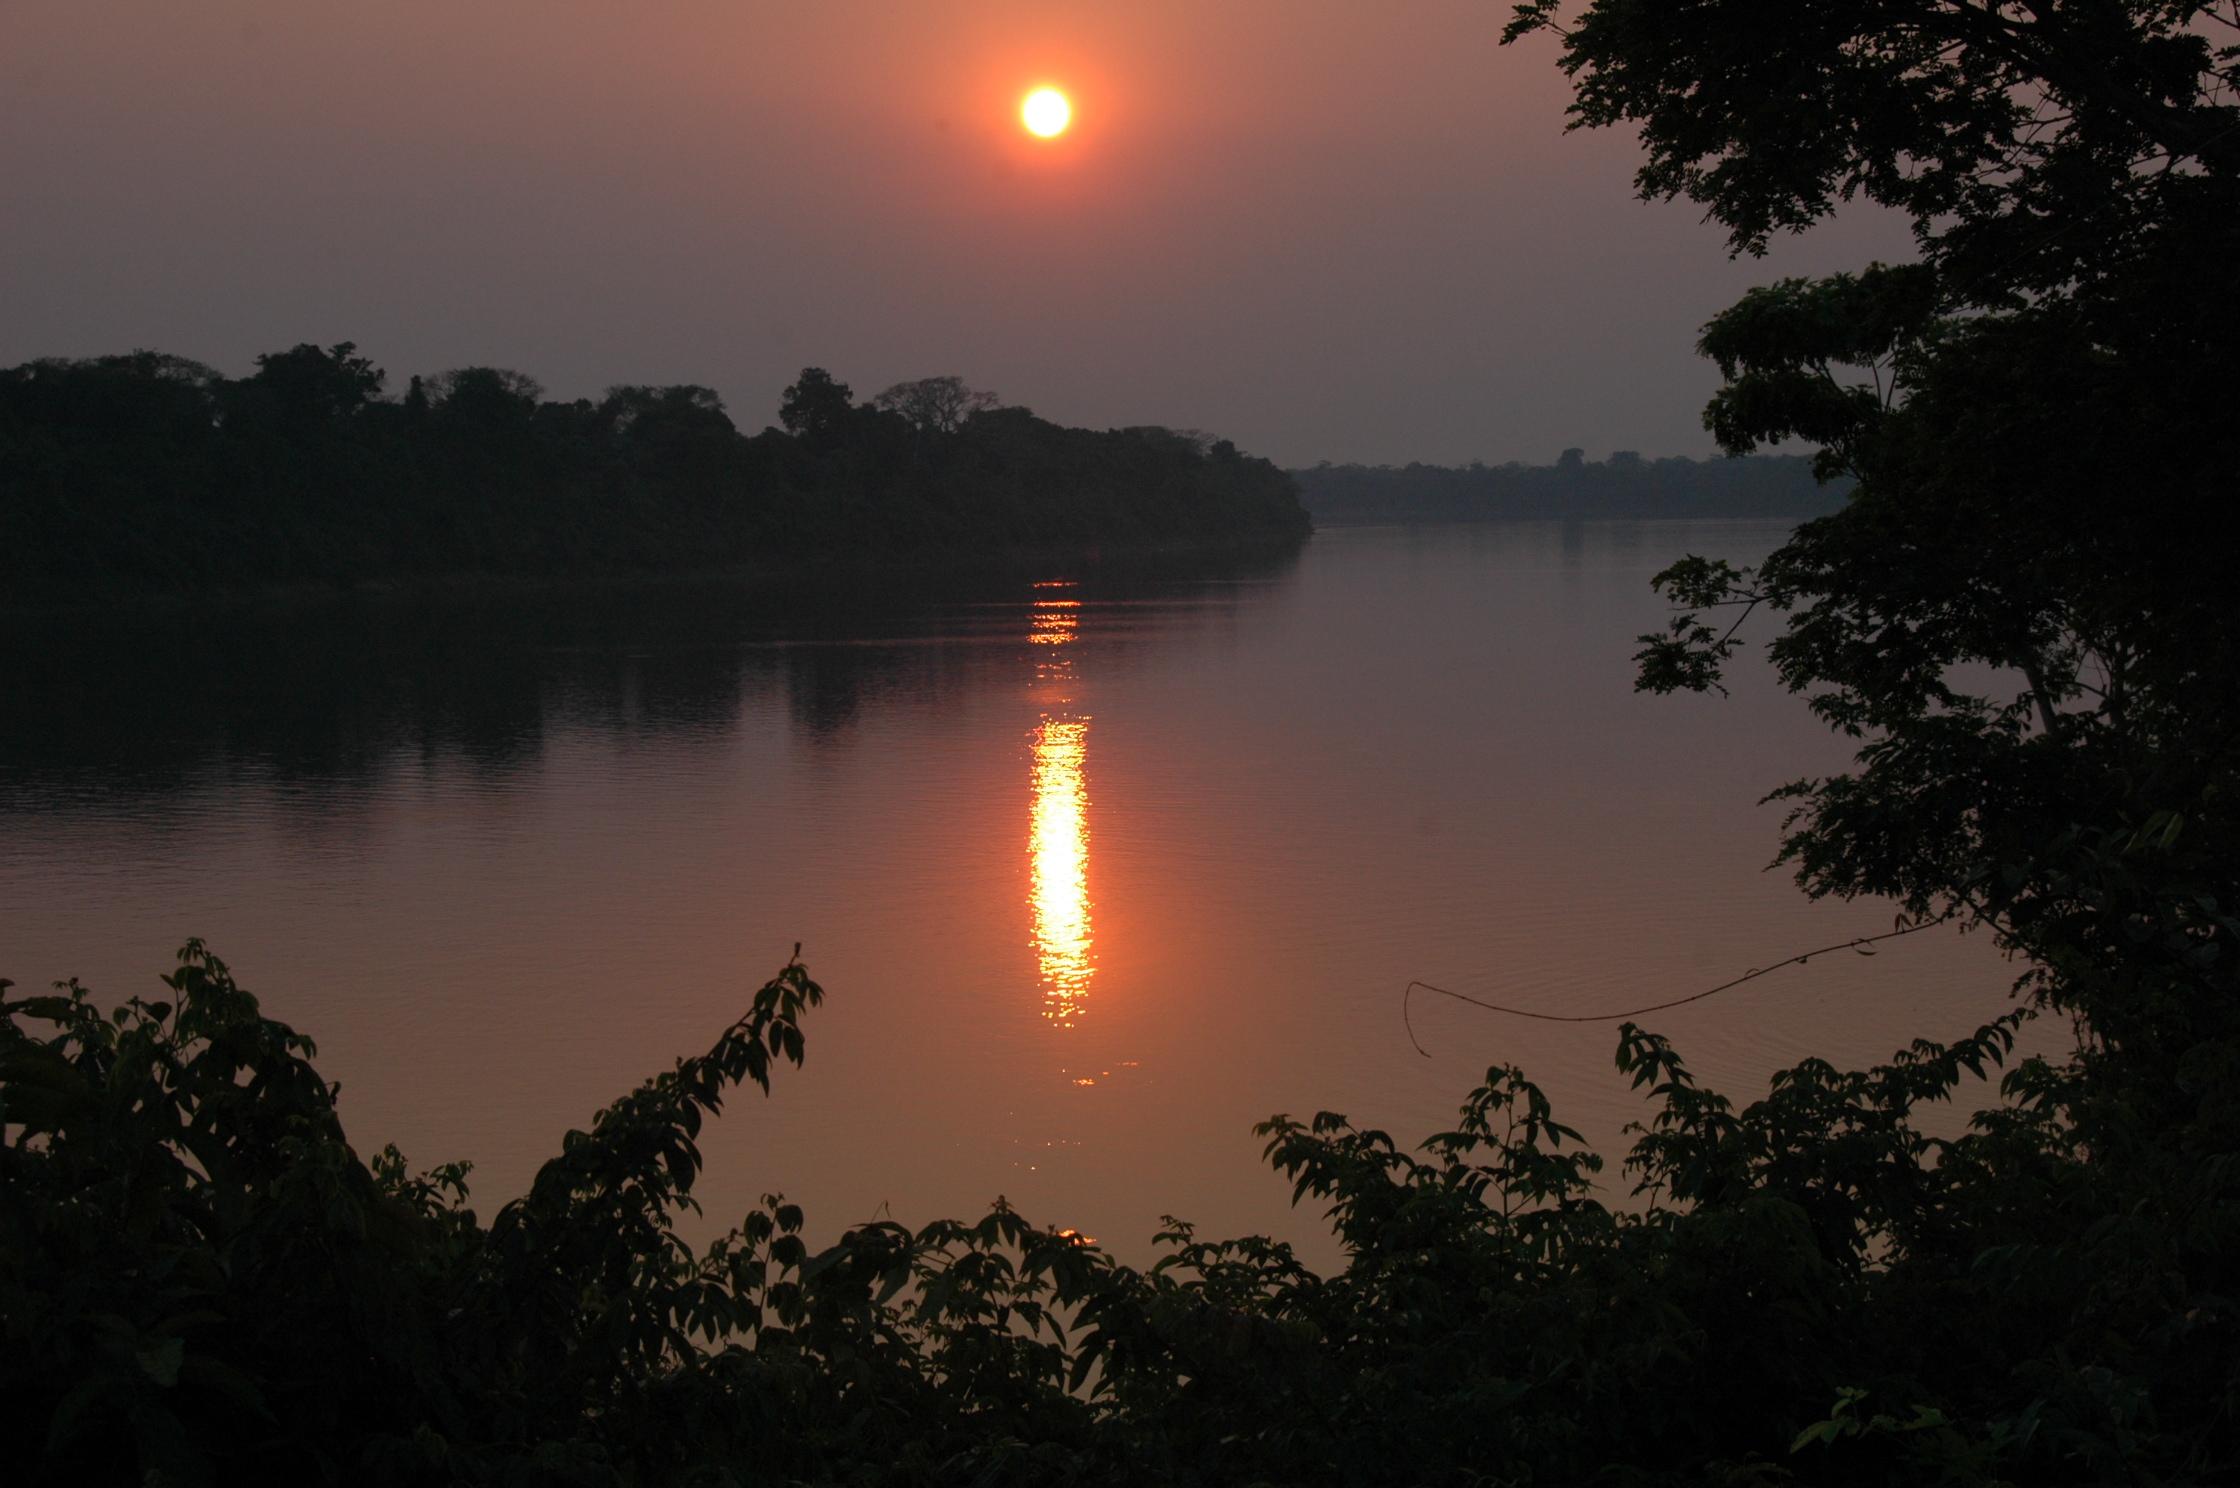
149, 474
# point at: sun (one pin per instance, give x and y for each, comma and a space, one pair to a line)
1046, 113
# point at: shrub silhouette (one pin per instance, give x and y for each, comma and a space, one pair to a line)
203, 1281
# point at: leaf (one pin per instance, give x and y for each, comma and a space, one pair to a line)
160, 1360
1818, 1431
77, 1411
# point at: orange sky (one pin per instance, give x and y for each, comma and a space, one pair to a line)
1327, 230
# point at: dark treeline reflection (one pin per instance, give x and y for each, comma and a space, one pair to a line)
337, 691
150, 474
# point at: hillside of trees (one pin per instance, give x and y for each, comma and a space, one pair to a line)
1624, 485
151, 474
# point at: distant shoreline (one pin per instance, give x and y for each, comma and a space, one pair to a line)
1625, 486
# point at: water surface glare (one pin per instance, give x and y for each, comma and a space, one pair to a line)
1098, 869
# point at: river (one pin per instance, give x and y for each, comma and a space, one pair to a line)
1097, 867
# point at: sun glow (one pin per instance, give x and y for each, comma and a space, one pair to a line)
1046, 113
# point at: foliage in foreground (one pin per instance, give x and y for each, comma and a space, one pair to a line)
200, 1280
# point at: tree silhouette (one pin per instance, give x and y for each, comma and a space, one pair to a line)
2045, 689
816, 407
492, 386
938, 405
308, 382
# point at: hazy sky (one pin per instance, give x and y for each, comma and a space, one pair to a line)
1327, 230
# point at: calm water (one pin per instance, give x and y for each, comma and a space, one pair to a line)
1097, 869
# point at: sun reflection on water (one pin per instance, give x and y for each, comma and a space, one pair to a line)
1056, 621
1058, 835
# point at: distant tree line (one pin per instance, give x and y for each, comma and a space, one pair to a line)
149, 473
1625, 485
